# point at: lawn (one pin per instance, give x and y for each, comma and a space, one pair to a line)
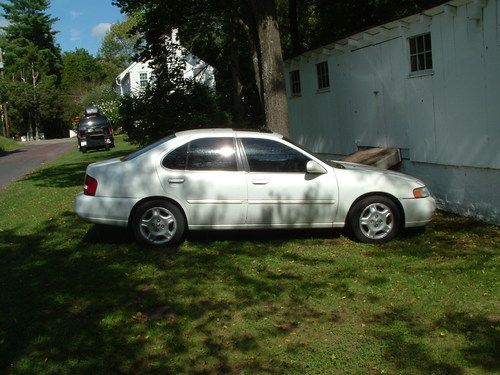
7, 144
82, 299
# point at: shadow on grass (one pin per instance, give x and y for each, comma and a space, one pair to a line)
86, 299
6, 153
401, 332
70, 174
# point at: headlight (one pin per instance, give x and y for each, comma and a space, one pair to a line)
421, 192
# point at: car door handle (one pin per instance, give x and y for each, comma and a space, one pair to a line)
176, 180
258, 181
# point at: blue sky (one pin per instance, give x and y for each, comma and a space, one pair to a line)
82, 23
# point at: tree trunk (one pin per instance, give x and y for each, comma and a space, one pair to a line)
271, 63
6, 126
238, 111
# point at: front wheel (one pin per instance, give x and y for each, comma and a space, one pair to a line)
374, 219
158, 223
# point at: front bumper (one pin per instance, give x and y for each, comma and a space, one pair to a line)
418, 211
104, 210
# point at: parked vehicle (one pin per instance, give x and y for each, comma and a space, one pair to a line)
228, 179
94, 131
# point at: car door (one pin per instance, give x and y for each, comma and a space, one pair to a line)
280, 191
205, 177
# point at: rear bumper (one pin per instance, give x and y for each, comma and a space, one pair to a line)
100, 141
418, 212
104, 210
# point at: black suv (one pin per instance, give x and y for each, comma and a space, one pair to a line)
94, 131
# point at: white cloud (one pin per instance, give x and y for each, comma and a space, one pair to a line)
75, 35
100, 30
75, 14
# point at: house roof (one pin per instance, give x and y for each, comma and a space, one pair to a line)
373, 35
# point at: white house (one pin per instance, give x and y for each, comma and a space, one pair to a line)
139, 74
428, 84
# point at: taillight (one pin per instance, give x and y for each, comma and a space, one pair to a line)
90, 186
110, 130
78, 134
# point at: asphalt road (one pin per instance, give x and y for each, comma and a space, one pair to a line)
18, 163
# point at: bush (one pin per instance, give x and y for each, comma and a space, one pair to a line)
160, 111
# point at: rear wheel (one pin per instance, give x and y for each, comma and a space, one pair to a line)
83, 149
158, 223
374, 219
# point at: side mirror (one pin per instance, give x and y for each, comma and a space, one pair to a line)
313, 167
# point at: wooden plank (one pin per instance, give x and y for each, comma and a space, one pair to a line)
384, 158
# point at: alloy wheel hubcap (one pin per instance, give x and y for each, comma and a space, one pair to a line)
158, 225
376, 221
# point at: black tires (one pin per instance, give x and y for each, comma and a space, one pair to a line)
83, 149
158, 223
374, 219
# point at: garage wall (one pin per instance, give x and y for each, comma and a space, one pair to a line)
449, 116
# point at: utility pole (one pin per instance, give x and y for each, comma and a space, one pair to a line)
6, 127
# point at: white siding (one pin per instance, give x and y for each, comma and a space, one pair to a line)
448, 117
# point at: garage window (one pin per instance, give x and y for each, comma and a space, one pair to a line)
420, 52
322, 74
295, 82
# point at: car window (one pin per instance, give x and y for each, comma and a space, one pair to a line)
265, 155
212, 154
205, 154
177, 159
147, 148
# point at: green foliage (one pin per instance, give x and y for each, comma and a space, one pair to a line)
7, 144
32, 67
87, 80
159, 111
118, 45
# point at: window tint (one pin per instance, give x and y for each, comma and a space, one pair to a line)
176, 159
212, 154
147, 148
270, 156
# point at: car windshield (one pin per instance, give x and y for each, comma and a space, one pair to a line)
331, 163
147, 148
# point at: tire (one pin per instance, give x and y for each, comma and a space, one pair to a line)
374, 219
158, 223
107, 147
83, 150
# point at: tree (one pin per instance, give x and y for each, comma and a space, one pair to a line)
233, 36
32, 58
119, 43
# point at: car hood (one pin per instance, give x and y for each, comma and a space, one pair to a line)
370, 169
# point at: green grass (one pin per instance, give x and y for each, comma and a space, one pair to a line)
7, 144
79, 298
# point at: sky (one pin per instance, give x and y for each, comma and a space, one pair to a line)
82, 23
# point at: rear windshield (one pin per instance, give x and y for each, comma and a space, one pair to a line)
147, 148
89, 121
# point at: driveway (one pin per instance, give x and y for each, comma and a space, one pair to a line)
18, 163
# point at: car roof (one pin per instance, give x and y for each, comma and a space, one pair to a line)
228, 132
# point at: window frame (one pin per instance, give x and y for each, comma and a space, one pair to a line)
295, 83
322, 76
237, 155
417, 54
143, 82
246, 163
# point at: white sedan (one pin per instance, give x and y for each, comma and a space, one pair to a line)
229, 179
